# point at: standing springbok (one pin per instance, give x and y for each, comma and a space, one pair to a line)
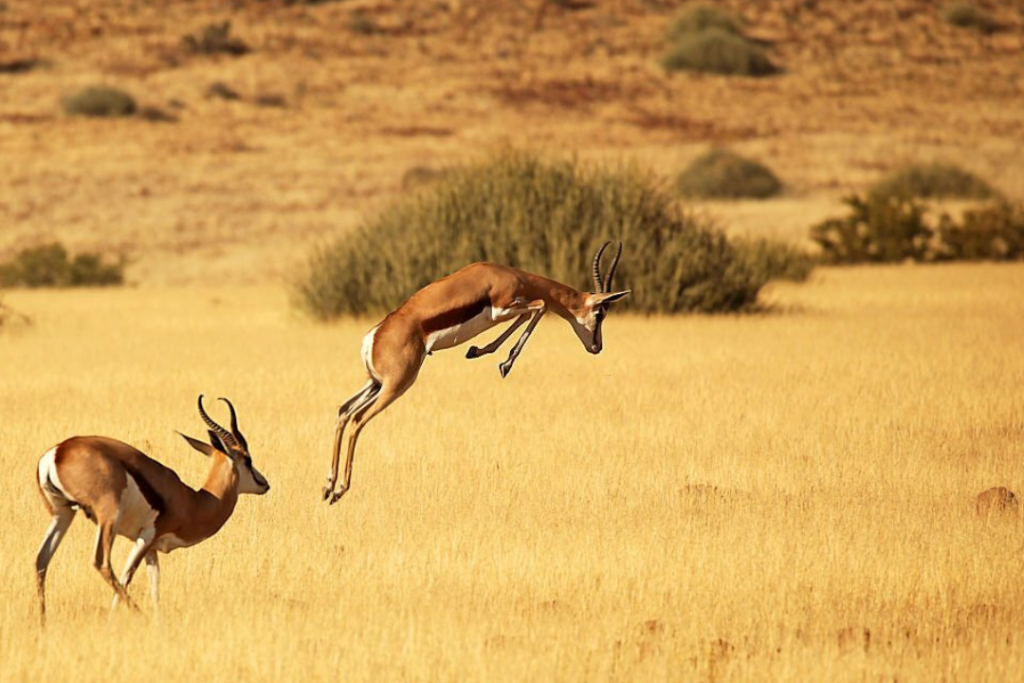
129, 494
451, 311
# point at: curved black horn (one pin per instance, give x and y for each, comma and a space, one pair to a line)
234, 426
597, 268
607, 286
224, 434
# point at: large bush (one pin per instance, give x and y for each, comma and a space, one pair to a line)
50, 266
934, 181
545, 217
993, 233
721, 174
697, 17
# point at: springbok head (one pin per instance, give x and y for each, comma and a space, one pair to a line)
232, 445
591, 314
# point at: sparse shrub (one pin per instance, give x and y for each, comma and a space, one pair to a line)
222, 91
214, 39
49, 266
993, 233
697, 17
931, 181
777, 260
717, 51
722, 174
968, 15
545, 217
878, 229
99, 101
361, 24
157, 115
268, 100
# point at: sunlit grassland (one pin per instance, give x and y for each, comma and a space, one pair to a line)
777, 497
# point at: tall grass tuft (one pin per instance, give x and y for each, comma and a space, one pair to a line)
717, 51
543, 216
696, 17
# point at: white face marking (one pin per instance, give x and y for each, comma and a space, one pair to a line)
135, 515
457, 334
368, 353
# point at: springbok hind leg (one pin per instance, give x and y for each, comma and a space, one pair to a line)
345, 412
62, 518
104, 545
387, 396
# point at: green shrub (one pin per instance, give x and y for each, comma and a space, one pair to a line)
214, 39
717, 51
968, 15
49, 266
934, 181
544, 217
698, 17
776, 260
721, 174
99, 101
993, 233
359, 23
878, 229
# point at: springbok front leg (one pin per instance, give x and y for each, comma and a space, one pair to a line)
357, 402
143, 547
538, 309
475, 352
104, 545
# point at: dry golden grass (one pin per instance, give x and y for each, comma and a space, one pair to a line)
777, 497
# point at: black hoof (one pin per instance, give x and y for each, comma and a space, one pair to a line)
473, 352
504, 369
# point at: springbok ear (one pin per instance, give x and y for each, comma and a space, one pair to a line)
204, 448
217, 442
609, 298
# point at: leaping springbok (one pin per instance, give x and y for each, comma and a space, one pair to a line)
451, 311
129, 494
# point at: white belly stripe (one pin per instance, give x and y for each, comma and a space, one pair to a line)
136, 513
457, 334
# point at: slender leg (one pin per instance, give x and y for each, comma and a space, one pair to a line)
153, 570
62, 518
141, 549
539, 308
104, 544
345, 412
475, 352
386, 397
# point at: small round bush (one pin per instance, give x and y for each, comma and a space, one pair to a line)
933, 181
698, 17
544, 217
720, 52
968, 15
722, 174
99, 101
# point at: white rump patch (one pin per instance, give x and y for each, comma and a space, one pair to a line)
48, 479
368, 353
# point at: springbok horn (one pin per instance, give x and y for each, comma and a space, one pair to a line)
224, 434
607, 286
234, 426
597, 268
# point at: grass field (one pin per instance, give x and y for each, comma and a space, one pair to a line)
778, 497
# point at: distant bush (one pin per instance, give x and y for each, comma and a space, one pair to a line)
545, 217
896, 228
717, 51
932, 181
99, 101
879, 229
222, 91
361, 24
968, 15
721, 174
214, 39
49, 266
698, 17
993, 233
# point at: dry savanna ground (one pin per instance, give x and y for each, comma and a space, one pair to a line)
777, 497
